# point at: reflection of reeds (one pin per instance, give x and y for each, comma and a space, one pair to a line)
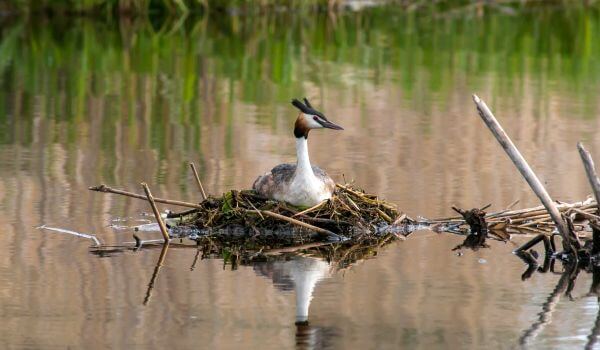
127, 7
167, 61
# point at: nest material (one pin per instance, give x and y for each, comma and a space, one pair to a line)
349, 212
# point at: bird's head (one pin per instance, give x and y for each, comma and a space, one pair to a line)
310, 118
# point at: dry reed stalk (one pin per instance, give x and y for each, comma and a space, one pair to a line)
106, 189
161, 224
586, 214
590, 170
364, 197
384, 215
297, 222
313, 208
525, 170
198, 182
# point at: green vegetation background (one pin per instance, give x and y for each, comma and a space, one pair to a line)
177, 66
174, 6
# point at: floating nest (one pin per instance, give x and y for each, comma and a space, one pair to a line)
350, 213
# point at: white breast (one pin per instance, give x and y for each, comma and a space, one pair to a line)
305, 190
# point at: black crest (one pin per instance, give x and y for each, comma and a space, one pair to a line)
307, 108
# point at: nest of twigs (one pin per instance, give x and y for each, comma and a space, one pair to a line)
350, 213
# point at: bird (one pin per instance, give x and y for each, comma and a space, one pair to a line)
300, 184
300, 273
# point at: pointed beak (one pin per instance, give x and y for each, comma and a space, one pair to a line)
329, 125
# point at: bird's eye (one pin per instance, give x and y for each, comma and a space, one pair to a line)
316, 118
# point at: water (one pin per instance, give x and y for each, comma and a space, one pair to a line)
84, 102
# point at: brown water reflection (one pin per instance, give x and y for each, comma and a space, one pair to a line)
124, 102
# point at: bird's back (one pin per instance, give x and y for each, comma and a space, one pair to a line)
280, 177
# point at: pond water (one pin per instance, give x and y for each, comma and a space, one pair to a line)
84, 102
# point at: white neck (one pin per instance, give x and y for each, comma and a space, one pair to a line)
303, 165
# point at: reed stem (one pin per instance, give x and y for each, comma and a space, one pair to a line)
161, 224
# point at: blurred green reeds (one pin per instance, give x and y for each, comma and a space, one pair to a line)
177, 70
137, 7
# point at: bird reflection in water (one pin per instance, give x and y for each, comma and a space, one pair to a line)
300, 274
295, 268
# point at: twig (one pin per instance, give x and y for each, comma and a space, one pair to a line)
78, 234
315, 207
586, 214
257, 211
161, 224
590, 170
297, 222
399, 219
198, 181
485, 206
525, 170
364, 197
352, 202
505, 213
511, 205
384, 215
535, 222
105, 189
294, 248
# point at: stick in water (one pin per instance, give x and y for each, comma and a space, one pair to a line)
107, 189
198, 180
70, 232
298, 223
521, 164
590, 170
161, 224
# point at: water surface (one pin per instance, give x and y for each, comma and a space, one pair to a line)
84, 102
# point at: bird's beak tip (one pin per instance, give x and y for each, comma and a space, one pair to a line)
334, 126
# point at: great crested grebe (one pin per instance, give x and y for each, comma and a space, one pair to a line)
299, 184
300, 274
